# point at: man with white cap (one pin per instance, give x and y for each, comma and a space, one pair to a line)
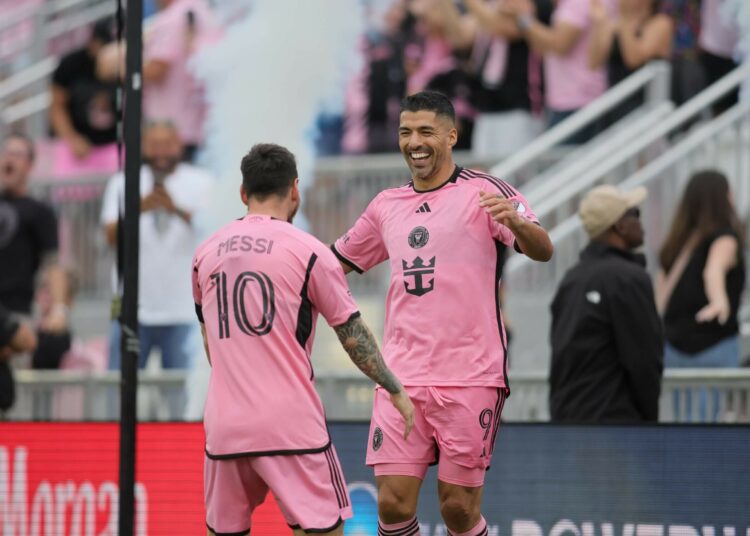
606, 334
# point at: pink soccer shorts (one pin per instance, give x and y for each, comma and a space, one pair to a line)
453, 426
309, 489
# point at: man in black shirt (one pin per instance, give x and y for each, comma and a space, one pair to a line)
607, 342
15, 336
28, 237
83, 107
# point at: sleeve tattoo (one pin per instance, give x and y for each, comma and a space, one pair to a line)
363, 350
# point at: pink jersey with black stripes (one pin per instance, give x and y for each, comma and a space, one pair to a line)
443, 324
258, 285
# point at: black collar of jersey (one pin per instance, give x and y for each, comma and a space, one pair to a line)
452, 178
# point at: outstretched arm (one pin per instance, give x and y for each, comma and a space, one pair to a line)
363, 350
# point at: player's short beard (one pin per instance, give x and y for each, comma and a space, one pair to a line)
294, 213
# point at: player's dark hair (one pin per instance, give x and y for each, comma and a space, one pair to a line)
432, 101
28, 141
704, 209
268, 169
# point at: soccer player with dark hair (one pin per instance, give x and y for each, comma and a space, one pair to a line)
444, 335
259, 284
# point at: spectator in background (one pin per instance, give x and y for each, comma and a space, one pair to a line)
83, 111
687, 72
171, 193
374, 94
504, 74
16, 336
626, 42
571, 83
606, 333
701, 279
28, 238
718, 41
170, 91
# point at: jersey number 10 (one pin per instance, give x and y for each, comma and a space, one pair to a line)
268, 304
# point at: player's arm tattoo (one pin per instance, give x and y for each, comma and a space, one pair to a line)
363, 350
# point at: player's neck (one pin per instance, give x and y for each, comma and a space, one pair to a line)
438, 179
271, 207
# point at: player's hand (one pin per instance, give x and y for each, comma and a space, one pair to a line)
714, 311
403, 404
502, 210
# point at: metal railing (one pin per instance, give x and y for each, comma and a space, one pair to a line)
720, 143
653, 78
688, 395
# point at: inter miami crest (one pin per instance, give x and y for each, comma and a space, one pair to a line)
419, 271
418, 237
377, 438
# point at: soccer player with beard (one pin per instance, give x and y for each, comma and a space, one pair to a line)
444, 335
259, 284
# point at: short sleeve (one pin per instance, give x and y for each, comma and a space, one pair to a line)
111, 200
197, 296
362, 247
328, 290
501, 232
64, 73
573, 12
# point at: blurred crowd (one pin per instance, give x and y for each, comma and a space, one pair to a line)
510, 66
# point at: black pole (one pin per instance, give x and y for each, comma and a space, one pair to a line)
129, 313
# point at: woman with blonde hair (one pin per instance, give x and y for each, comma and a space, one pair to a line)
702, 277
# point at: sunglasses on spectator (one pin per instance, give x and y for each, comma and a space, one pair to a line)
634, 212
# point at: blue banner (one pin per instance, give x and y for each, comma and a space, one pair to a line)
550, 480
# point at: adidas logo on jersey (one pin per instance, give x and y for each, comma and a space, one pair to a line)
424, 208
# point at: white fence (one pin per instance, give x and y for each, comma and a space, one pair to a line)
712, 395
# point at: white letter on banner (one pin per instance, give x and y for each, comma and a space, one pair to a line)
42, 511
13, 498
84, 514
587, 528
649, 530
682, 530
109, 496
493, 530
141, 504
523, 527
563, 526
708, 531
729, 531
64, 494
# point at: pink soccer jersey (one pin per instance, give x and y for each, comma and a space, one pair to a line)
443, 324
258, 285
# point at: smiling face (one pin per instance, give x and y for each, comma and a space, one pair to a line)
426, 140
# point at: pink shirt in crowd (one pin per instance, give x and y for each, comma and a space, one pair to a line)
259, 284
570, 83
442, 325
179, 97
717, 36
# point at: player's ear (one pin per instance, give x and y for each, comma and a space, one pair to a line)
295, 190
243, 195
453, 137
